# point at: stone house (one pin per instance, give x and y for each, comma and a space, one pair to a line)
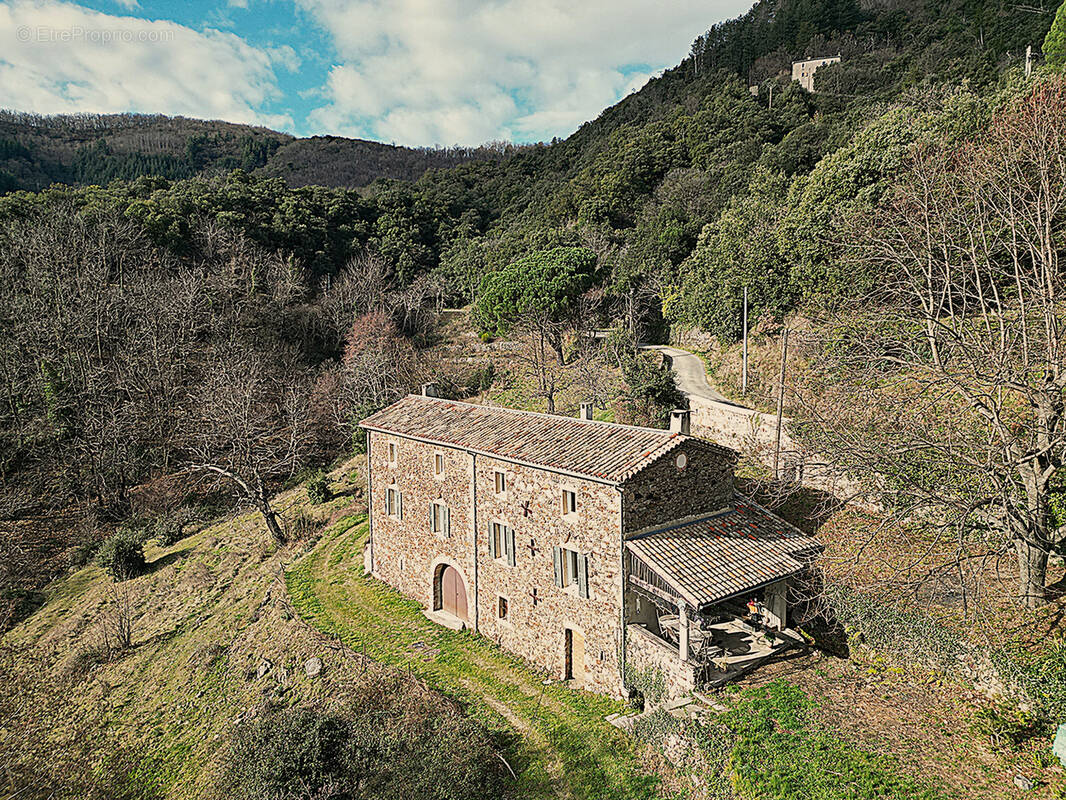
594, 550
803, 71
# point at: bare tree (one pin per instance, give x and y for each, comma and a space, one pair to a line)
251, 425
958, 359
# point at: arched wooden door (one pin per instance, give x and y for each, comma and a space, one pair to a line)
452, 592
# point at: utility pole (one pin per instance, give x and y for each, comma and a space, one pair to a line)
780, 402
1028, 60
771, 96
744, 371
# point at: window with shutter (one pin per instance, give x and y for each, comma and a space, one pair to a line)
494, 540
557, 559
583, 575
511, 557
439, 518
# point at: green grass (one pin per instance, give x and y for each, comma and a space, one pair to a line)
565, 747
779, 752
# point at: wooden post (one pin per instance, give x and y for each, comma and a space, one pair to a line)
744, 372
780, 403
682, 631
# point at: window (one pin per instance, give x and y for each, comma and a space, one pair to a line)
569, 502
392, 452
501, 543
440, 519
438, 465
501, 482
571, 569
394, 502
501, 607
570, 560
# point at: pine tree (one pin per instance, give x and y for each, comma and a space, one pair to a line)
1055, 41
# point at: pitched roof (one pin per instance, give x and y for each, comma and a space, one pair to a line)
714, 558
600, 450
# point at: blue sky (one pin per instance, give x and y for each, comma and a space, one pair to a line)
414, 72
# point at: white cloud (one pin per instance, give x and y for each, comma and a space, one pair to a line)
129, 5
60, 58
465, 71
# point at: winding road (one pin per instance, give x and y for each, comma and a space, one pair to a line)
691, 373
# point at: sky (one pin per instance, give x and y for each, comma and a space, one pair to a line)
412, 72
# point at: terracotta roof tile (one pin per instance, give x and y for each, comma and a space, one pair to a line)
714, 558
601, 450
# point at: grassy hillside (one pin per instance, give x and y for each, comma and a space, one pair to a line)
224, 625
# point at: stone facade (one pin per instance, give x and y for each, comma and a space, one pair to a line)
803, 71
407, 554
664, 491
555, 593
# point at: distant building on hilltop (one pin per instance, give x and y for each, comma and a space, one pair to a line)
803, 71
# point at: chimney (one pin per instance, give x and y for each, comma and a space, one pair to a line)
429, 390
681, 421
586, 411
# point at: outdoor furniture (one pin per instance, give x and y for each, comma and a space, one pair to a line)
670, 625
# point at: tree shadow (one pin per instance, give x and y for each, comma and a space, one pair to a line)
166, 561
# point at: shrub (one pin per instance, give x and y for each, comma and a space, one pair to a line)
122, 554
318, 489
302, 526
390, 739
168, 528
82, 663
1006, 726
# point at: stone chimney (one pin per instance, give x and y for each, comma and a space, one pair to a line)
586, 411
681, 421
429, 390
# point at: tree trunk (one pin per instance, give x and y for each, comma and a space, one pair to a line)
1032, 573
270, 517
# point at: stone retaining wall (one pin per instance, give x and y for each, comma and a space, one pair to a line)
647, 653
754, 433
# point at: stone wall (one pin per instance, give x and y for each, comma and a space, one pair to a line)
532, 507
406, 553
754, 434
664, 492
647, 654
404, 550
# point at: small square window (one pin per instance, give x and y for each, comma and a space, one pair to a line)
501, 482
438, 464
569, 502
502, 607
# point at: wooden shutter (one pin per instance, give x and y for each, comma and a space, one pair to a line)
583, 575
432, 518
447, 521
493, 551
557, 557
511, 559
399, 504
